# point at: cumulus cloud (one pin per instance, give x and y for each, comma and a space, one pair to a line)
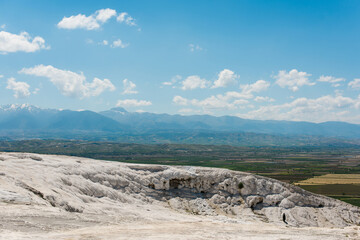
3, 26
226, 78
355, 84
194, 82
133, 103
10, 43
103, 15
174, 80
69, 83
21, 89
229, 101
256, 87
129, 87
325, 108
293, 79
93, 21
234, 94
124, 17
335, 82
180, 101
79, 21
218, 102
119, 43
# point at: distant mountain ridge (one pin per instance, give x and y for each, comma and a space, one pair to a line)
151, 122
28, 117
27, 121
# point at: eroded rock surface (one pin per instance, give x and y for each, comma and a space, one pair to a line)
101, 192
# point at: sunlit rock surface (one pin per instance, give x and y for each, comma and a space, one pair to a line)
62, 197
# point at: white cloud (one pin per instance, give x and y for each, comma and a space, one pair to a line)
133, 103
193, 82
264, 99
234, 94
325, 108
180, 101
3, 26
124, 17
21, 89
130, 21
119, 43
1, 76
247, 90
79, 21
195, 47
228, 101
20, 43
256, 87
226, 78
97, 86
103, 15
174, 80
69, 83
129, 87
240, 102
330, 79
95, 20
293, 79
355, 84
218, 102
115, 44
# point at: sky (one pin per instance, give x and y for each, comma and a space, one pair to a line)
279, 60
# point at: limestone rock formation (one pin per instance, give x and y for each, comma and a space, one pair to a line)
102, 191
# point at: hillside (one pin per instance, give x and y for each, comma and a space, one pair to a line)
75, 198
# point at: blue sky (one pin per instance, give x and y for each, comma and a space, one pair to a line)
284, 60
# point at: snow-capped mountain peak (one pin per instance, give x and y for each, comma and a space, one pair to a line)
19, 107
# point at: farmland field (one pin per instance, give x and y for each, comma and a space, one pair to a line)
332, 179
345, 187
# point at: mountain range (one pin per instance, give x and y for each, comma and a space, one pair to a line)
27, 121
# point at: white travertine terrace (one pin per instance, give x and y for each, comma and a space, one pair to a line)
62, 197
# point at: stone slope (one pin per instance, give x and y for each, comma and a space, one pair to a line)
92, 189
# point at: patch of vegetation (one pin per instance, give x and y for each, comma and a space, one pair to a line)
334, 189
349, 193
352, 200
